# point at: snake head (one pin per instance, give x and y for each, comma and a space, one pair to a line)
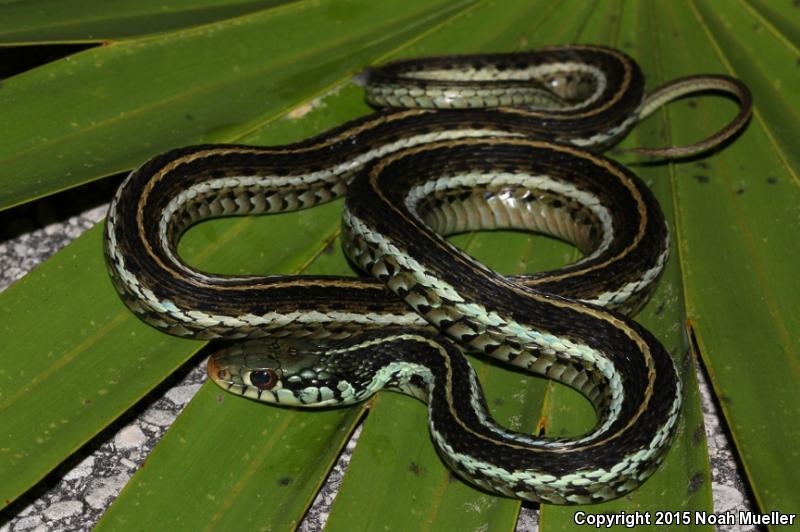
286, 371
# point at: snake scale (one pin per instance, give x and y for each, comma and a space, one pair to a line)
461, 143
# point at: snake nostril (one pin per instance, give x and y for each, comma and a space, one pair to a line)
215, 371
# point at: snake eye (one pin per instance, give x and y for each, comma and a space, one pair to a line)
263, 379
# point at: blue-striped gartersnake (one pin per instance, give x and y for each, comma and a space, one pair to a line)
513, 155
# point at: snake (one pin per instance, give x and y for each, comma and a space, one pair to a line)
457, 143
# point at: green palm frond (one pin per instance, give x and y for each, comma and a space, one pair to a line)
74, 358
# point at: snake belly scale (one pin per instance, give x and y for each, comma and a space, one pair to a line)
412, 176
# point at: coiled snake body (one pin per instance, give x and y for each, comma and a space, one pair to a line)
411, 177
